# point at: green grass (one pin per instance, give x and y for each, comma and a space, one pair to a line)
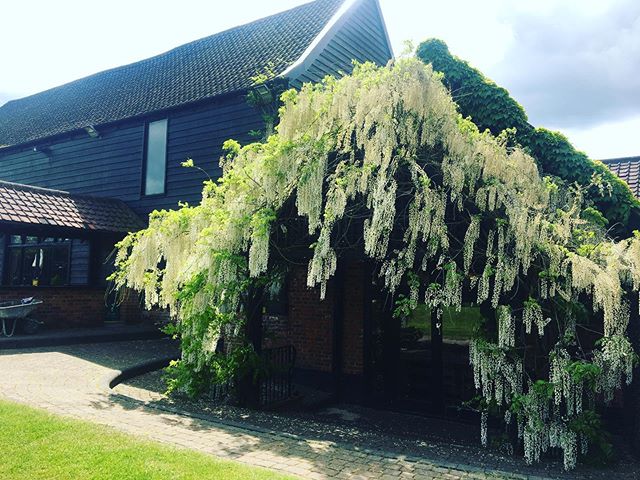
455, 325
40, 446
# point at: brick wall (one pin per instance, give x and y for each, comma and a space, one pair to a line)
276, 331
353, 356
310, 322
67, 307
63, 306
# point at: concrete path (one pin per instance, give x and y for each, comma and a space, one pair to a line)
73, 380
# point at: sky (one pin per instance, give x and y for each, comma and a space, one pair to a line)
573, 64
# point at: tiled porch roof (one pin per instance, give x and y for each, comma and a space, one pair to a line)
628, 169
35, 206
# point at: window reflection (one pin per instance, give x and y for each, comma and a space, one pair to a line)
38, 261
156, 158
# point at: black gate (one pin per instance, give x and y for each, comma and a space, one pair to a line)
276, 385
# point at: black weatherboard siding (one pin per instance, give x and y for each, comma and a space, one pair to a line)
111, 166
79, 262
3, 246
361, 37
199, 87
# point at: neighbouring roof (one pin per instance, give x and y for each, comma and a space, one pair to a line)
628, 169
212, 66
35, 206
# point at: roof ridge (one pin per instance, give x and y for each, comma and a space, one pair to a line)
199, 70
174, 49
24, 186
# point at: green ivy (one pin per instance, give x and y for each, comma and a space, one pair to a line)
492, 108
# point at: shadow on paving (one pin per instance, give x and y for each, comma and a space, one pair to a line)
354, 428
111, 355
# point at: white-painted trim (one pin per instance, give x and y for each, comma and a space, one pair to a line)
320, 42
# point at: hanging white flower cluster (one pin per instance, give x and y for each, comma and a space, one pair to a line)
470, 238
496, 375
566, 386
534, 426
532, 315
484, 284
452, 293
484, 421
561, 436
616, 361
506, 327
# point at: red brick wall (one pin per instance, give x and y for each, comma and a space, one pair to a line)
276, 331
63, 306
311, 321
353, 318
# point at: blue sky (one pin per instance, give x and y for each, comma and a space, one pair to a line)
573, 64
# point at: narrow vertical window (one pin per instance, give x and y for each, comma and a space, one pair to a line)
156, 158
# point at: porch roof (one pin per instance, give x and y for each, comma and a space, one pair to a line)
35, 206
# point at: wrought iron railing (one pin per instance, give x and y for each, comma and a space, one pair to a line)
275, 382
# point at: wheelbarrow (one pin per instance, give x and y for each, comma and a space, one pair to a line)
15, 310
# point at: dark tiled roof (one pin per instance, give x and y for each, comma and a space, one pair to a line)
628, 169
205, 68
24, 204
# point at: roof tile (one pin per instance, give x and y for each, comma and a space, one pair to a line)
628, 169
41, 206
212, 66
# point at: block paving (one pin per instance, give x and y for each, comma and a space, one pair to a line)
73, 381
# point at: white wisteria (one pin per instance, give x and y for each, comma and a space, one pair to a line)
454, 208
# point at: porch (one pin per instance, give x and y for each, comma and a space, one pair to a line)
57, 247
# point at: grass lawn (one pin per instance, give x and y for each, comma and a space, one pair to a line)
37, 445
455, 325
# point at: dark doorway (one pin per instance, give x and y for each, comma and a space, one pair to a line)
410, 370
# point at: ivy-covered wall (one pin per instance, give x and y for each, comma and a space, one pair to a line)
491, 107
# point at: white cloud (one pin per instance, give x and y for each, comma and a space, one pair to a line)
574, 64
609, 140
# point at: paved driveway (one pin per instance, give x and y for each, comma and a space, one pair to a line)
72, 381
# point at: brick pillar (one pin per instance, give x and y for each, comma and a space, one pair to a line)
353, 317
310, 321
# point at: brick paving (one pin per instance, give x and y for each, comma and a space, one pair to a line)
72, 381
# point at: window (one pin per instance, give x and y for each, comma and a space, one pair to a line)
37, 260
155, 158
